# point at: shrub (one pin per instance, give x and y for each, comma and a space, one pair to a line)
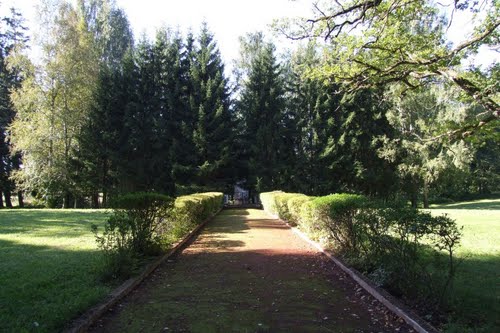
295, 207
407, 251
146, 216
117, 244
336, 213
268, 201
148, 223
191, 210
281, 204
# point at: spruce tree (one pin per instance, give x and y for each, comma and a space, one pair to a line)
209, 103
262, 111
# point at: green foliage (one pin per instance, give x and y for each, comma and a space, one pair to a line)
267, 125
145, 224
295, 205
409, 252
268, 202
414, 31
191, 210
336, 213
281, 203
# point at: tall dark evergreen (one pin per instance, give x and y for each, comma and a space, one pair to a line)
209, 103
315, 104
354, 165
262, 111
12, 35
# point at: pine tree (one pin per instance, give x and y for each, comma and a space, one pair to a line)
12, 39
262, 111
209, 103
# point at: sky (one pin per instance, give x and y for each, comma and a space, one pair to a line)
227, 19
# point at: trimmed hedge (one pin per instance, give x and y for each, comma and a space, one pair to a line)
407, 251
191, 210
148, 224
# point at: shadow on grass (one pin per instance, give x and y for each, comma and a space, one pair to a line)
44, 287
476, 291
44, 222
489, 204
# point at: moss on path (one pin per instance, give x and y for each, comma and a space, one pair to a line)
249, 273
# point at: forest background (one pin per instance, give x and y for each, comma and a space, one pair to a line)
384, 106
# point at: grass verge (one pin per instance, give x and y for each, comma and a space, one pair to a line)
475, 301
49, 271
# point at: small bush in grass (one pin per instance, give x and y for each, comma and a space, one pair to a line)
408, 251
147, 214
116, 242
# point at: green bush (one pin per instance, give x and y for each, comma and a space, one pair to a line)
409, 252
295, 207
191, 210
117, 244
281, 204
336, 214
267, 199
147, 215
147, 224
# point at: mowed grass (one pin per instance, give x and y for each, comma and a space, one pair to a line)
476, 297
48, 268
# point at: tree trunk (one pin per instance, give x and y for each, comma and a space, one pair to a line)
105, 199
414, 199
20, 199
67, 201
426, 195
1, 200
8, 199
95, 200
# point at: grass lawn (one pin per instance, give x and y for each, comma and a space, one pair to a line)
48, 268
477, 288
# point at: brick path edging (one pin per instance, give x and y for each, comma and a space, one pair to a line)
83, 323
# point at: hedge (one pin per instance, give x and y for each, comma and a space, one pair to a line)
191, 210
408, 251
145, 224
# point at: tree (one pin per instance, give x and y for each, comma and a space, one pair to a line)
52, 103
421, 162
110, 28
315, 105
210, 104
12, 40
266, 144
382, 42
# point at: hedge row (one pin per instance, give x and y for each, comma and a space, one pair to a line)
407, 251
191, 210
148, 224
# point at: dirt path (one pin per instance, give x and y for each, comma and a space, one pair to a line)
249, 273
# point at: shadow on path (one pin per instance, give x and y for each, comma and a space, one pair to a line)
249, 273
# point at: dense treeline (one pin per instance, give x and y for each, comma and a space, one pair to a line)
100, 114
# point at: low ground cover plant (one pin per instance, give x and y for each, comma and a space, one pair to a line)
409, 252
147, 224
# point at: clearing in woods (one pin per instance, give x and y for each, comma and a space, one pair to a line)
247, 272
